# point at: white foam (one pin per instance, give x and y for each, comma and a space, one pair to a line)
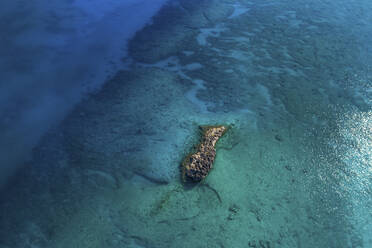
191, 96
188, 53
284, 50
362, 95
295, 23
173, 64
241, 55
238, 11
209, 32
264, 92
246, 111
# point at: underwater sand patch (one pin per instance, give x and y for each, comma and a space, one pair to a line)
196, 166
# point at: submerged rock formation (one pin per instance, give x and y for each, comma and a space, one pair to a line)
196, 166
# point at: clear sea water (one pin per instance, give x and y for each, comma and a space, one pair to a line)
292, 79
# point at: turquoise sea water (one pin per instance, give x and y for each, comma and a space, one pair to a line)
294, 81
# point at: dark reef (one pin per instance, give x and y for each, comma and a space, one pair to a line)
196, 166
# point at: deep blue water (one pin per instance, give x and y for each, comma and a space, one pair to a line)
101, 101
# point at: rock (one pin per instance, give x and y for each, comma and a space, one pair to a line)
196, 166
278, 138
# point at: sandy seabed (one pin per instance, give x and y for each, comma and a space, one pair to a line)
293, 171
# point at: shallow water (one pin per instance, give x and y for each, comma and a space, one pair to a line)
291, 78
